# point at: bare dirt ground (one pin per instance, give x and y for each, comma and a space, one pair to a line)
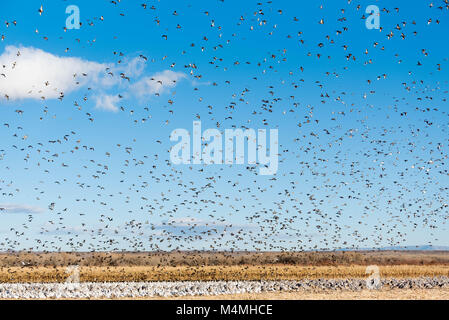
396, 294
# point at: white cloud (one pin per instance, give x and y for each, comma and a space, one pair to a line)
107, 102
157, 83
33, 73
19, 208
133, 67
189, 221
121, 74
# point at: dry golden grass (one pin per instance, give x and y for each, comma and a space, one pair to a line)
201, 258
202, 266
205, 273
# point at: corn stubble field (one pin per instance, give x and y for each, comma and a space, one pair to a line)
211, 266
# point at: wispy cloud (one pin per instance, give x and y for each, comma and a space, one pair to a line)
186, 226
157, 83
19, 208
107, 102
191, 221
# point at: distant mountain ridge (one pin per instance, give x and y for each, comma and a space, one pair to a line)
419, 247
402, 248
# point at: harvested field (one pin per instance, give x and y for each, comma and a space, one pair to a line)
223, 275
212, 273
200, 258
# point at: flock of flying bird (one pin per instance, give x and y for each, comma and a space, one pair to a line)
360, 165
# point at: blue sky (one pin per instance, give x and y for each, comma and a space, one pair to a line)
362, 128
